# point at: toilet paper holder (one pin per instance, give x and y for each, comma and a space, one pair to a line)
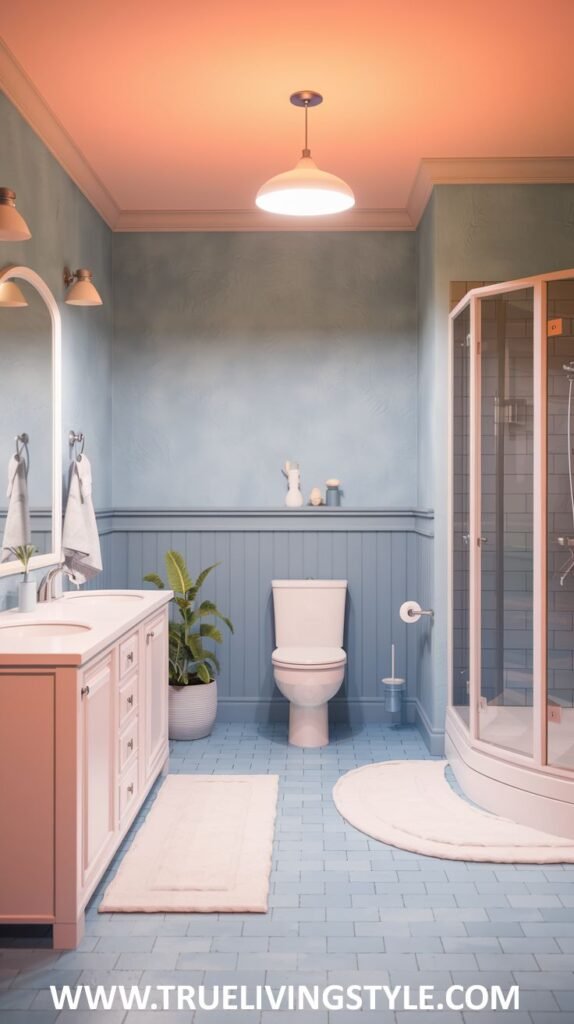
411, 611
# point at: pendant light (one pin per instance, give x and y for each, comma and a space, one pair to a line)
305, 191
13, 227
81, 291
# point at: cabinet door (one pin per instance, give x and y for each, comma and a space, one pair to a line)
26, 796
156, 669
98, 765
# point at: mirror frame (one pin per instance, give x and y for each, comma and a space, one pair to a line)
53, 557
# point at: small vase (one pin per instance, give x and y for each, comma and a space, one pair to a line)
27, 596
294, 497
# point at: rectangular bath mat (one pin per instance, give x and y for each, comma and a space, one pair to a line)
205, 846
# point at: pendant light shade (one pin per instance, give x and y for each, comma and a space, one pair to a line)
306, 190
13, 227
81, 291
11, 296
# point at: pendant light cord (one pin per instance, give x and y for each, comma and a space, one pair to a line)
306, 151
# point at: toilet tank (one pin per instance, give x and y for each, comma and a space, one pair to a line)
309, 613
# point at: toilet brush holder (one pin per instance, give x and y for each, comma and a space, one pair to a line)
394, 690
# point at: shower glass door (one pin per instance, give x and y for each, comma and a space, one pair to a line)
460, 670
560, 522
505, 418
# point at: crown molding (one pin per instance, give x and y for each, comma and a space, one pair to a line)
21, 91
521, 170
257, 220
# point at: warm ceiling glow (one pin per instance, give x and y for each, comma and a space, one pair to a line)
306, 191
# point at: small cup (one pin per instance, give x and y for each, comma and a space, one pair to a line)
333, 496
27, 596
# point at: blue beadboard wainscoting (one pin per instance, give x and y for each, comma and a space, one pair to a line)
385, 554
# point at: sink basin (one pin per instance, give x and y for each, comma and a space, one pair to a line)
31, 630
121, 597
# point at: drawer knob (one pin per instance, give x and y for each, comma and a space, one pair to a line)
85, 691
131, 789
131, 656
131, 700
130, 744
149, 636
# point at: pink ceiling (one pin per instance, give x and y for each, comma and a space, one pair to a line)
183, 105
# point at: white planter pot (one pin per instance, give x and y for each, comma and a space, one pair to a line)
192, 710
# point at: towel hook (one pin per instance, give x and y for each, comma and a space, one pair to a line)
73, 440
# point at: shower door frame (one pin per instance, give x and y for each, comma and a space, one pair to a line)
538, 760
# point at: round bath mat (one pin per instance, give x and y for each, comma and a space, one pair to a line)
410, 804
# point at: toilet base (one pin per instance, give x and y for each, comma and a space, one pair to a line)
308, 726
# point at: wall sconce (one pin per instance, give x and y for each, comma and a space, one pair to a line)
81, 291
11, 296
13, 227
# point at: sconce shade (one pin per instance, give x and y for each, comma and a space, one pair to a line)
13, 227
81, 291
10, 295
305, 191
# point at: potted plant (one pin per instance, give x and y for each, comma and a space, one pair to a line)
27, 587
192, 666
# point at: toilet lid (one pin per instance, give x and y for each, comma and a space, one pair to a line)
309, 656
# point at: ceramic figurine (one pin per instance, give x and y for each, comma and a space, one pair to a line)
316, 498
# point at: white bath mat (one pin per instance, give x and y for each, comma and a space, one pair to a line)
206, 846
410, 804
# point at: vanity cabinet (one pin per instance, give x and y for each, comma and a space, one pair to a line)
82, 741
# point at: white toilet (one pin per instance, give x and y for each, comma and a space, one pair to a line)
309, 660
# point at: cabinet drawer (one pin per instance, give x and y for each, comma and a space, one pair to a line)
128, 698
128, 744
128, 655
128, 790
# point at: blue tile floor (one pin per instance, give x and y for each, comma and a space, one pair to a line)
343, 909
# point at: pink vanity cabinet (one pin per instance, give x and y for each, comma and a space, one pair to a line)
83, 737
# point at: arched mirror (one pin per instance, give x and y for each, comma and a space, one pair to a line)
30, 420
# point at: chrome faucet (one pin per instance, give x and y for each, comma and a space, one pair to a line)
46, 590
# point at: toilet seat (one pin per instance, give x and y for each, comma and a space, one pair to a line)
308, 657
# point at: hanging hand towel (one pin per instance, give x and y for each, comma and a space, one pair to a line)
17, 529
80, 539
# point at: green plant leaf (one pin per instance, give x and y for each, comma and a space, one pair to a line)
152, 577
203, 576
210, 656
177, 574
195, 646
206, 629
203, 672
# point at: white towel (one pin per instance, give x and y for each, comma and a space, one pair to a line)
17, 529
80, 539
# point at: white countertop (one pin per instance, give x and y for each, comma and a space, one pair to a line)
108, 614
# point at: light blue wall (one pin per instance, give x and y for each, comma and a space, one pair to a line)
66, 230
379, 554
236, 352
474, 232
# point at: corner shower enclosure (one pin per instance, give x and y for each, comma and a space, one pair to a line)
510, 717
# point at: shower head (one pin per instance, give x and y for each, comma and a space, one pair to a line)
569, 370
